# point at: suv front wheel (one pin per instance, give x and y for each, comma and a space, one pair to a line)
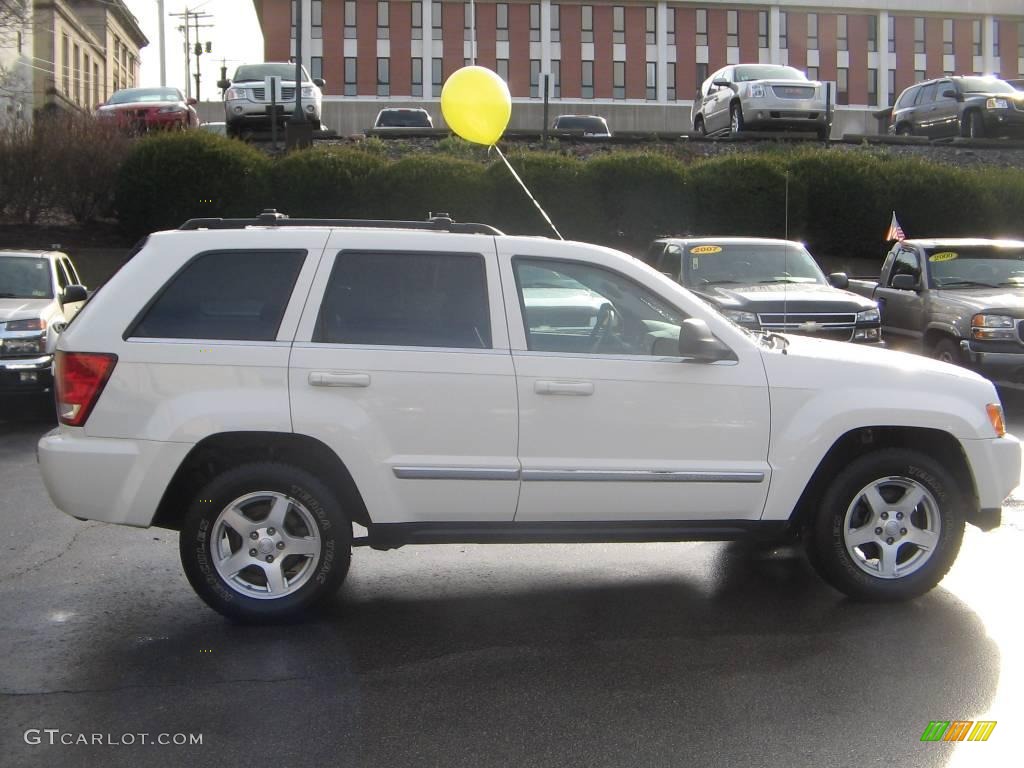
888, 527
264, 542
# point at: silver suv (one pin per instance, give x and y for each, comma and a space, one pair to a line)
248, 101
745, 96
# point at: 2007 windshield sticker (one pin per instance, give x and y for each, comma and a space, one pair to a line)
944, 256
701, 249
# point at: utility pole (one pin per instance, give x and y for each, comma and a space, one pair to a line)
191, 23
163, 45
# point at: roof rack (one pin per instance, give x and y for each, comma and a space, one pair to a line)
270, 217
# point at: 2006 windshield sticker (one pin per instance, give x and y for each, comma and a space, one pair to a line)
944, 256
704, 249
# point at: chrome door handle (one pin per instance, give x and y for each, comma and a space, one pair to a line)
327, 379
578, 388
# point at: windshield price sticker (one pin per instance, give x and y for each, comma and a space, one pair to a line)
944, 256
701, 249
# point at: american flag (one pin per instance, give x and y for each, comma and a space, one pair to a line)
895, 231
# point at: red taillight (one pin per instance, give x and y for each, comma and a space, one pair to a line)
81, 377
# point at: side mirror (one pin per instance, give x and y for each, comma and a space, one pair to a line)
721, 83
191, 102
223, 84
839, 280
698, 345
74, 294
319, 82
950, 93
904, 282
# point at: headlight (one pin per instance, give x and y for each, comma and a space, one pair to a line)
29, 346
34, 324
995, 103
992, 327
737, 316
308, 92
756, 91
868, 316
236, 93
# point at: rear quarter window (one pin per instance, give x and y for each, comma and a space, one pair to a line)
223, 295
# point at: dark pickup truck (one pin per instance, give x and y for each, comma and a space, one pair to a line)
767, 284
957, 300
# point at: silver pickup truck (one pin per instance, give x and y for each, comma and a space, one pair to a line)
957, 300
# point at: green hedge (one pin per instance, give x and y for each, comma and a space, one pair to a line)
839, 201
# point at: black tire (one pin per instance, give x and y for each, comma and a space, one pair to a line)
826, 537
904, 129
735, 119
231, 131
972, 125
823, 133
310, 502
948, 351
699, 127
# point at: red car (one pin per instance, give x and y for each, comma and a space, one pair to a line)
144, 109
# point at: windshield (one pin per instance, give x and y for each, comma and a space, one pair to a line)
984, 266
985, 85
579, 123
25, 278
403, 118
768, 72
711, 263
259, 72
140, 95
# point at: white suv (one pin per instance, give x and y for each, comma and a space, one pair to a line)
261, 385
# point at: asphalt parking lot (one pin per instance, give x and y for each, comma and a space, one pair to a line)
700, 654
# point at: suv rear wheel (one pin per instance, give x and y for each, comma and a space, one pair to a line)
889, 526
264, 542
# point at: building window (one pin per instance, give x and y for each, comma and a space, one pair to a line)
762, 29
350, 76
783, 30
436, 76
995, 38
417, 76
670, 26
918, 75
670, 82
841, 39
947, 36
872, 34
87, 90
436, 19
812, 31
19, 40
292, 29
702, 27
842, 86
732, 36
503, 69
812, 73
892, 87
316, 67
618, 24
652, 81
618, 79
96, 84
702, 75
78, 74
383, 20
350, 19
651, 24
556, 23
872, 87
556, 78
534, 78
316, 19
383, 77
892, 34
65, 60
502, 21
1020, 39
976, 37
587, 24
918, 34
534, 22
587, 79
417, 20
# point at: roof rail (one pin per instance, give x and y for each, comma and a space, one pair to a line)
270, 217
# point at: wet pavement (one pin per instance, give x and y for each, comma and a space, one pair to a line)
700, 654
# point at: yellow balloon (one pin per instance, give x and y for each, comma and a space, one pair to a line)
476, 104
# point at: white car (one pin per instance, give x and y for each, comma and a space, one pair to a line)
435, 382
40, 292
248, 101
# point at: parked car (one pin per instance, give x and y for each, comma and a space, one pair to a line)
958, 300
144, 109
743, 97
40, 292
218, 129
767, 284
588, 126
1018, 84
390, 376
959, 106
403, 117
247, 102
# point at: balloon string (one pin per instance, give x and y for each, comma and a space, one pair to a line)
527, 191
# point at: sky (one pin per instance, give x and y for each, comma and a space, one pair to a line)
235, 36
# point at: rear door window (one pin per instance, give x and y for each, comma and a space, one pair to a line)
224, 295
406, 300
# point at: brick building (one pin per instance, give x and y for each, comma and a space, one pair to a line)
635, 53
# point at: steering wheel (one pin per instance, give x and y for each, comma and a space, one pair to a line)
607, 318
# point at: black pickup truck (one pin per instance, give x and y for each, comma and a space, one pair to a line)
767, 284
958, 300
